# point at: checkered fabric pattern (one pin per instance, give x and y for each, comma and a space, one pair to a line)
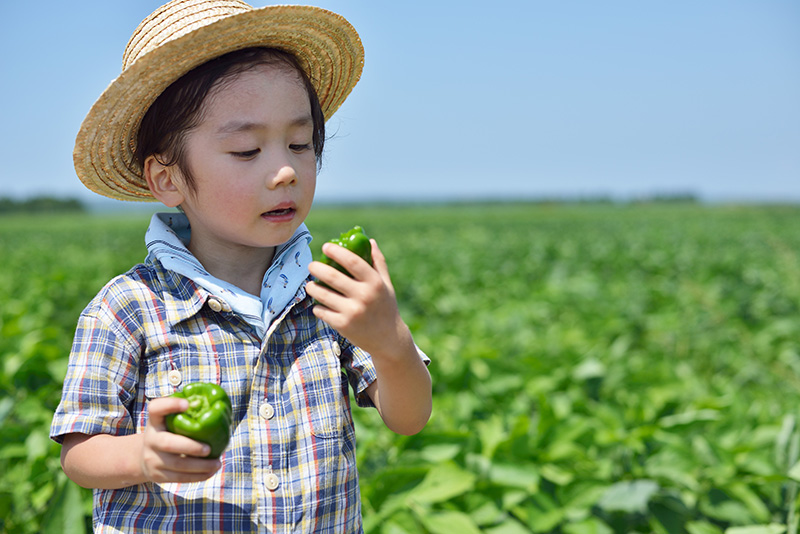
291, 463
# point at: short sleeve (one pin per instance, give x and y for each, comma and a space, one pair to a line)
101, 380
360, 370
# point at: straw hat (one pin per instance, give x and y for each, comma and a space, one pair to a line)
183, 34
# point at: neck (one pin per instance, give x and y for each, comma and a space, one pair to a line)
242, 267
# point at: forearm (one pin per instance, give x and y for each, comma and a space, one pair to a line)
402, 391
111, 462
103, 461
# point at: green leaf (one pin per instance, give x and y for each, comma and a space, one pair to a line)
727, 510
442, 483
588, 369
449, 522
13, 450
492, 434
758, 529
390, 527
668, 513
687, 418
65, 515
515, 476
702, 527
591, 525
487, 513
512, 498
6, 405
556, 474
37, 444
545, 520
788, 426
440, 452
400, 523
583, 495
629, 496
751, 500
509, 526
794, 472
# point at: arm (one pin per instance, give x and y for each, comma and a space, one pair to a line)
364, 310
157, 455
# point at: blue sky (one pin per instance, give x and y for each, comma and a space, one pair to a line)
477, 100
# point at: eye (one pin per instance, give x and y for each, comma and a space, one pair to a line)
247, 154
300, 148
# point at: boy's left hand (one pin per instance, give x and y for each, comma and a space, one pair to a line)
362, 308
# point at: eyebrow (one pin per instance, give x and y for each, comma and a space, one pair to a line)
236, 126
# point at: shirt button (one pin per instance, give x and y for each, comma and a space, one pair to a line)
174, 377
272, 482
266, 411
215, 304
337, 350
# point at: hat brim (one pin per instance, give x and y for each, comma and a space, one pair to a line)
324, 43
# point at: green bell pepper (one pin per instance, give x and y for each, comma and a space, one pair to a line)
354, 240
208, 418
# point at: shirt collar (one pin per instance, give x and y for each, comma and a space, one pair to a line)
182, 297
285, 278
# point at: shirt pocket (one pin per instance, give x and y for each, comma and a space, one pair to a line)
315, 389
166, 373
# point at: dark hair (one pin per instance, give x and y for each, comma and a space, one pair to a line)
179, 108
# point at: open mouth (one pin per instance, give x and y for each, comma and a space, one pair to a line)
284, 211
280, 213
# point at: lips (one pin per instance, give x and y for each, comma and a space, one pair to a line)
278, 212
281, 211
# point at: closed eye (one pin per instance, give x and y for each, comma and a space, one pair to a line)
300, 148
247, 154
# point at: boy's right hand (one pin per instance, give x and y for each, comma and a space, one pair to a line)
168, 457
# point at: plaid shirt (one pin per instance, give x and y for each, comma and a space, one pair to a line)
291, 463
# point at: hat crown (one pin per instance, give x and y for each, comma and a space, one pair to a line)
175, 19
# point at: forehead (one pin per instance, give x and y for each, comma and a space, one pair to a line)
245, 75
266, 89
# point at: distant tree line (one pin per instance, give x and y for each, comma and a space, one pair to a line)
669, 198
40, 205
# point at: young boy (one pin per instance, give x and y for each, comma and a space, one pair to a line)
220, 111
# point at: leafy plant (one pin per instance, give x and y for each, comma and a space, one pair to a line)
597, 369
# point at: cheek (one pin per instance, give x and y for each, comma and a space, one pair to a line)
312, 179
308, 173
310, 184
231, 196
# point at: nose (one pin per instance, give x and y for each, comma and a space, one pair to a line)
284, 175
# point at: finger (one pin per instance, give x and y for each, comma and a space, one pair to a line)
178, 445
333, 318
322, 313
380, 265
325, 295
158, 409
352, 262
336, 280
326, 314
190, 465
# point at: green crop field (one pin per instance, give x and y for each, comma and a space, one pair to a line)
597, 368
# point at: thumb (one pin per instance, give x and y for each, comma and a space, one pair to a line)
158, 409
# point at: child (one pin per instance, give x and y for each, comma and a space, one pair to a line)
220, 111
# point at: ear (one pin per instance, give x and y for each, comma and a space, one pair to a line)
164, 182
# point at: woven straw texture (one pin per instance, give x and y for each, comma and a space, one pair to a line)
184, 34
